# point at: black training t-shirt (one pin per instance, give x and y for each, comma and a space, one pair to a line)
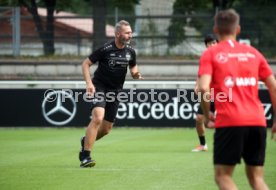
112, 65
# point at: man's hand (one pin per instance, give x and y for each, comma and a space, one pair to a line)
137, 75
196, 89
210, 122
90, 89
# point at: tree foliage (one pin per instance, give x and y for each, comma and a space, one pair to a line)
100, 9
258, 22
185, 13
46, 33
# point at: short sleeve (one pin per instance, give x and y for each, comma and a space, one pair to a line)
205, 63
96, 55
264, 68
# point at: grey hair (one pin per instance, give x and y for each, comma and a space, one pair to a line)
119, 25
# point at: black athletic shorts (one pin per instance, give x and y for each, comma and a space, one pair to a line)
212, 108
108, 100
233, 143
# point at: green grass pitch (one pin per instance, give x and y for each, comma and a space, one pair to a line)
127, 159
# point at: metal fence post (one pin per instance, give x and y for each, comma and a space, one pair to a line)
16, 31
116, 15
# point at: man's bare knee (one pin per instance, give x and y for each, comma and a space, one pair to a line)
97, 121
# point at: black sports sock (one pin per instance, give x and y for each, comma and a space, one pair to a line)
86, 153
202, 140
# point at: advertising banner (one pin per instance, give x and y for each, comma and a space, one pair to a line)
138, 107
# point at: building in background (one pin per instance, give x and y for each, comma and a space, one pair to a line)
73, 34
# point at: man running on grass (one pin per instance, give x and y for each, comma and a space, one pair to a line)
113, 60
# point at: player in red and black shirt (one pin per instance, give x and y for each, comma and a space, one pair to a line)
113, 60
232, 70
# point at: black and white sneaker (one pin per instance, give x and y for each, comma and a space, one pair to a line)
87, 163
82, 149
